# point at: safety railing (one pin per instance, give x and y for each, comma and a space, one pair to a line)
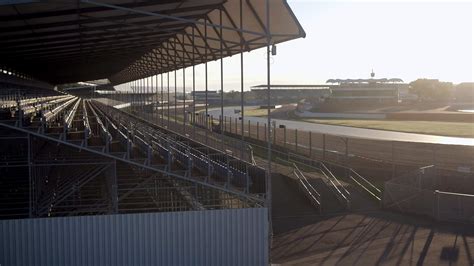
52, 114
70, 115
307, 188
32, 102
224, 167
85, 119
366, 185
104, 133
340, 191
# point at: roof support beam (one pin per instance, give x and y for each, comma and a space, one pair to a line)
197, 22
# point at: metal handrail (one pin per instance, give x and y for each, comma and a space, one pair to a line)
72, 112
85, 117
53, 113
107, 136
343, 198
335, 178
340, 196
145, 131
306, 180
308, 190
158, 134
377, 193
252, 158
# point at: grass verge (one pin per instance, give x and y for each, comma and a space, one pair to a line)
454, 129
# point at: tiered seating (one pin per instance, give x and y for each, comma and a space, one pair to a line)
174, 148
149, 156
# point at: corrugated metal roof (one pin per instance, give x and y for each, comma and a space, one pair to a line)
122, 40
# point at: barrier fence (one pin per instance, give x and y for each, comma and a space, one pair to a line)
372, 157
399, 157
421, 193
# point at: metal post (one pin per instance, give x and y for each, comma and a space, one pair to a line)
205, 77
168, 103
211, 120
269, 143
393, 159
193, 117
222, 78
258, 129
242, 83
142, 86
347, 157
296, 140
140, 90
310, 145
147, 90
248, 126
274, 133
137, 95
175, 95
235, 125
266, 133
184, 94
324, 147
156, 99
162, 106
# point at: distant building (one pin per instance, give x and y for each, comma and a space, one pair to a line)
368, 90
291, 93
212, 96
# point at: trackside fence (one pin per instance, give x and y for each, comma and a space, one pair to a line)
420, 193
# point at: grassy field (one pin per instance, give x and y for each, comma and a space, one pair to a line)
423, 127
257, 112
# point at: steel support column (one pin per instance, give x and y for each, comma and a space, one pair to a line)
206, 85
269, 143
242, 41
184, 94
222, 80
193, 117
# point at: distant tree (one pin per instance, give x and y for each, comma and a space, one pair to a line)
431, 89
232, 95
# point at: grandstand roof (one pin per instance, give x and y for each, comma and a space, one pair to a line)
68, 41
292, 86
372, 80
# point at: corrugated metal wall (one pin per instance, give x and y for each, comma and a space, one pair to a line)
218, 237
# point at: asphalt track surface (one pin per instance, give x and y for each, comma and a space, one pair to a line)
352, 132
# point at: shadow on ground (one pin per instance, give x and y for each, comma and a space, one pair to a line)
302, 236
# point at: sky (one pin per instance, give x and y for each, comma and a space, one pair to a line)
407, 40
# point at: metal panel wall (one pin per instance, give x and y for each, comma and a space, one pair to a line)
217, 237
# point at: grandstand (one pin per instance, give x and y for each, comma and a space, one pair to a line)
371, 90
70, 160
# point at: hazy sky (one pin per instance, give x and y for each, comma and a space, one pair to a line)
347, 39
